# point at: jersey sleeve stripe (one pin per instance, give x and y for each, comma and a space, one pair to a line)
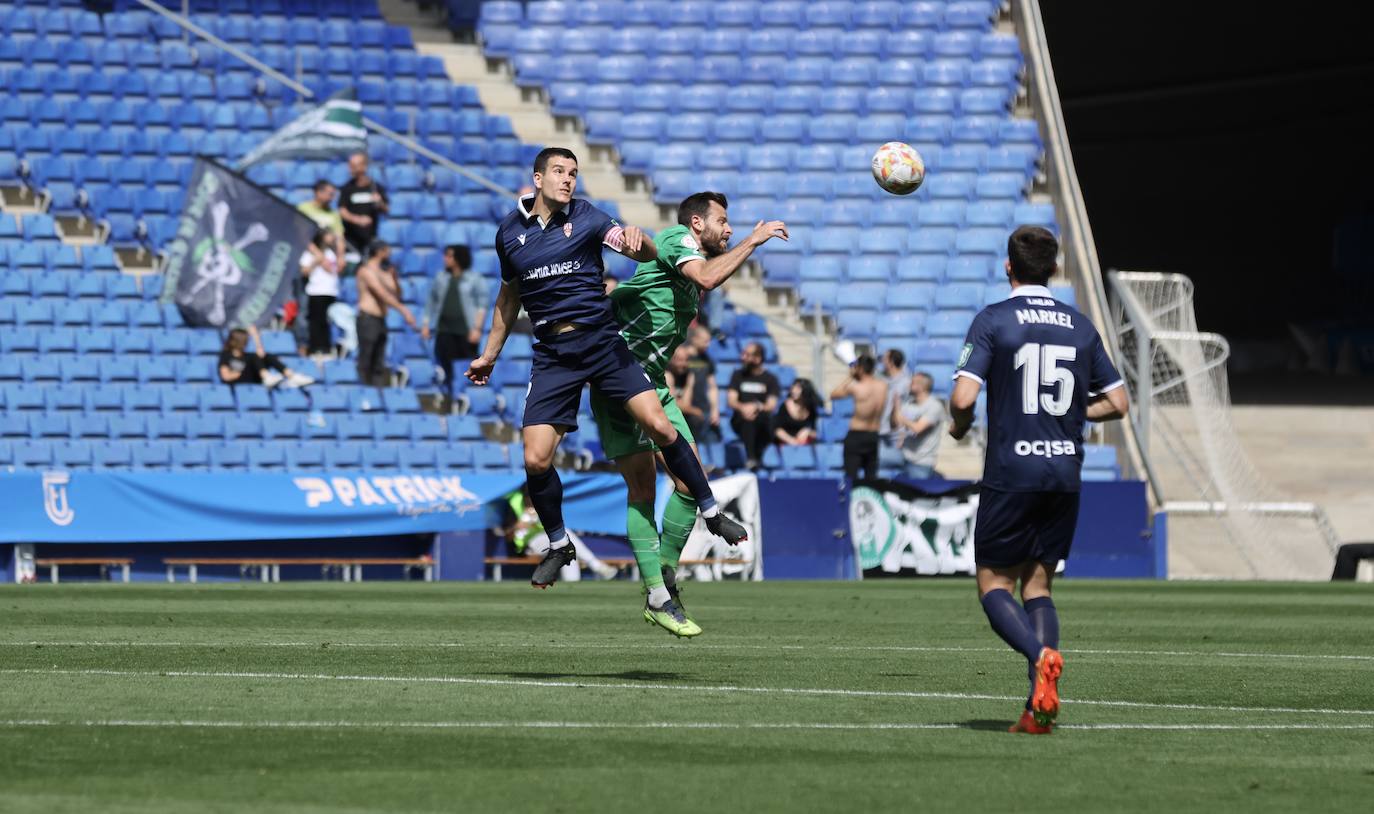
973, 376
1107, 389
687, 257
614, 239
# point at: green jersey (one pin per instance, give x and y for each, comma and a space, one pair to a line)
657, 305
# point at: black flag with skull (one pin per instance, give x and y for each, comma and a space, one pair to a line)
236, 250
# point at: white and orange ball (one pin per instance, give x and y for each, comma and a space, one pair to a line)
898, 168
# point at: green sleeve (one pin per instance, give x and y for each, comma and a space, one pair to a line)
677, 246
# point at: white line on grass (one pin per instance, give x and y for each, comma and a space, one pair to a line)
629, 685
731, 725
701, 646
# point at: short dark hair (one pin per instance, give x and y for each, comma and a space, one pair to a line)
541, 161
699, 204
865, 363
898, 358
376, 247
462, 255
1032, 251
921, 374
322, 183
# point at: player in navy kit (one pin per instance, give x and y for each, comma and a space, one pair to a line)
550, 252
1046, 372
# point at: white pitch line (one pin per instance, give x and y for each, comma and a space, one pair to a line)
705, 646
688, 725
593, 685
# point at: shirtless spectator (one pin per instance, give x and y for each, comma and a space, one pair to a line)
378, 290
870, 399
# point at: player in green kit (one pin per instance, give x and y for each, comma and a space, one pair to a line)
655, 308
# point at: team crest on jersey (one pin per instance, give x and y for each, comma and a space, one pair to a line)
567, 229
689, 242
965, 354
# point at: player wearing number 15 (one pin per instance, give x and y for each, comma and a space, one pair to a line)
1046, 372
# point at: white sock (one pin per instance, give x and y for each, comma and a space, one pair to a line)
711, 512
658, 596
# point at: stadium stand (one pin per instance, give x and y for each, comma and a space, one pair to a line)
102, 122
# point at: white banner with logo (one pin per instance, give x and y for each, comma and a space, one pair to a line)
901, 530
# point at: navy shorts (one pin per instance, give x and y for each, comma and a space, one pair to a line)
566, 362
1018, 527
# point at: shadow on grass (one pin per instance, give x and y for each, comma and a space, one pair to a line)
628, 675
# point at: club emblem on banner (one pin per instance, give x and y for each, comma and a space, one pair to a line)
221, 263
55, 501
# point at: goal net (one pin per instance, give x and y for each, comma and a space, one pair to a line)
1225, 519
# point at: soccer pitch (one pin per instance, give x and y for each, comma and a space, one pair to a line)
877, 696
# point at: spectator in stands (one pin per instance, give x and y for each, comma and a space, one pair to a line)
753, 395
321, 265
681, 379
795, 423
321, 208
362, 202
237, 366
898, 380
918, 418
870, 398
378, 290
703, 419
454, 310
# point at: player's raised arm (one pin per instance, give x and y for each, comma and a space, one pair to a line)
503, 315
710, 274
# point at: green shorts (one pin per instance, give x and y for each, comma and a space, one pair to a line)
621, 435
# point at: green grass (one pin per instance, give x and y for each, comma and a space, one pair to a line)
76, 659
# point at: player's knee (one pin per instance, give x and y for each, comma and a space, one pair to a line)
661, 430
537, 463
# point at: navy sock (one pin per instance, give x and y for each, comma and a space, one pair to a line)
1010, 622
1044, 621
683, 463
546, 493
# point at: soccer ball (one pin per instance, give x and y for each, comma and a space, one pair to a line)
898, 168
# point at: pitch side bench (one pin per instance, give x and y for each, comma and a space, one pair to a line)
105, 563
497, 562
269, 568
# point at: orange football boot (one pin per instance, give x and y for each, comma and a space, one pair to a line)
1045, 699
1029, 726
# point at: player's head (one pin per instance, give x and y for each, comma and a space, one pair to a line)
921, 384
379, 251
555, 175
1031, 252
752, 356
700, 338
457, 258
704, 213
324, 193
237, 340
357, 165
864, 365
893, 360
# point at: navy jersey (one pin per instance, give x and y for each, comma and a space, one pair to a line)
1040, 361
557, 264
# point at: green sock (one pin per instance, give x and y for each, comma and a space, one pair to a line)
679, 518
639, 523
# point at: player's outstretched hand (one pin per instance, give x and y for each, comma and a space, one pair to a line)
956, 432
479, 371
764, 230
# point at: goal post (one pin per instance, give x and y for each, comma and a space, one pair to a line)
1222, 510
